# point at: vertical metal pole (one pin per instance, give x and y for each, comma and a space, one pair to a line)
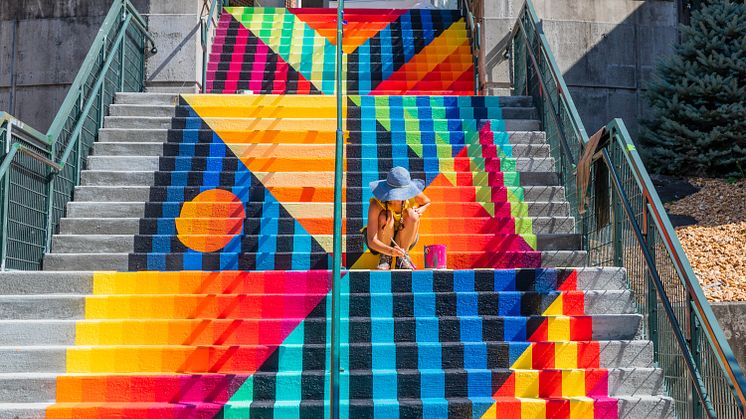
337, 249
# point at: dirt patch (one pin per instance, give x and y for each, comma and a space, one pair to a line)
716, 245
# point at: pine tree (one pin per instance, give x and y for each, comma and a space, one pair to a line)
697, 123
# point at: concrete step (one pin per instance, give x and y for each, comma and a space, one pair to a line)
137, 122
517, 138
521, 164
629, 407
126, 135
132, 226
121, 261
100, 225
70, 306
105, 209
160, 193
156, 148
142, 110
105, 243
42, 282
155, 122
62, 332
127, 149
146, 98
41, 387
116, 178
52, 359
82, 209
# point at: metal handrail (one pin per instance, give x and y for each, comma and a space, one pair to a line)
475, 29
703, 310
617, 132
204, 25
62, 149
117, 13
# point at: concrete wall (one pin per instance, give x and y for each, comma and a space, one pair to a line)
606, 49
732, 318
52, 38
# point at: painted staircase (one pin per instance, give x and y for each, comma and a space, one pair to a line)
189, 277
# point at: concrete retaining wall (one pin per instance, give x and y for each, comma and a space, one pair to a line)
732, 318
606, 49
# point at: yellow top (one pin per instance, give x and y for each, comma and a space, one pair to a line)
410, 203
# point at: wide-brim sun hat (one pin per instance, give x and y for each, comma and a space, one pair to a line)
398, 186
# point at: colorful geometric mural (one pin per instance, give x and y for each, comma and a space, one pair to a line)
240, 344
274, 156
225, 313
388, 52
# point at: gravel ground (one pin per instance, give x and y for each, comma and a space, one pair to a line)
716, 245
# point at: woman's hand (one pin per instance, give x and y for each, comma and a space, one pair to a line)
421, 209
398, 252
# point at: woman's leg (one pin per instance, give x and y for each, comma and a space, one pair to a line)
408, 234
385, 227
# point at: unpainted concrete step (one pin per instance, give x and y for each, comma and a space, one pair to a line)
142, 110
169, 99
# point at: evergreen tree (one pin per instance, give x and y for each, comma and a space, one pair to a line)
697, 123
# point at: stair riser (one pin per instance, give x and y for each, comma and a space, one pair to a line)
300, 209
165, 99
540, 225
166, 123
73, 307
39, 282
615, 354
160, 194
121, 261
142, 110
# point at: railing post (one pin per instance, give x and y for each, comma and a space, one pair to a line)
617, 215
652, 298
694, 336
103, 87
335, 365
122, 52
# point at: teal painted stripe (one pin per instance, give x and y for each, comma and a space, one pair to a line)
383, 356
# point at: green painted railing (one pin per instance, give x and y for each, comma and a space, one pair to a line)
207, 25
39, 172
623, 223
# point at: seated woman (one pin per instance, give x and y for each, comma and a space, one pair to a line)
394, 217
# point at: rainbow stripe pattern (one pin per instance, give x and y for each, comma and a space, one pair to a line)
225, 310
388, 52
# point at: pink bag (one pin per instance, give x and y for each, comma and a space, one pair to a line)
435, 256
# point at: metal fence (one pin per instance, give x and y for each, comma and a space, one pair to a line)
39, 172
623, 223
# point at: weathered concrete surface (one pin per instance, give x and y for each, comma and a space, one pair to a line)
52, 39
732, 318
606, 50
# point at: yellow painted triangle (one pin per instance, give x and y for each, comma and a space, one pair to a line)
263, 132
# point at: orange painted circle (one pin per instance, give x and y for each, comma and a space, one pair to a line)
209, 221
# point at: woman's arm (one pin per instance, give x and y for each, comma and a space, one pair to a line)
422, 202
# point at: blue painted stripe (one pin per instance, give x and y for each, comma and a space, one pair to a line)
386, 55
192, 260
383, 356
301, 247
268, 228
364, 83
429, 357
407, 36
